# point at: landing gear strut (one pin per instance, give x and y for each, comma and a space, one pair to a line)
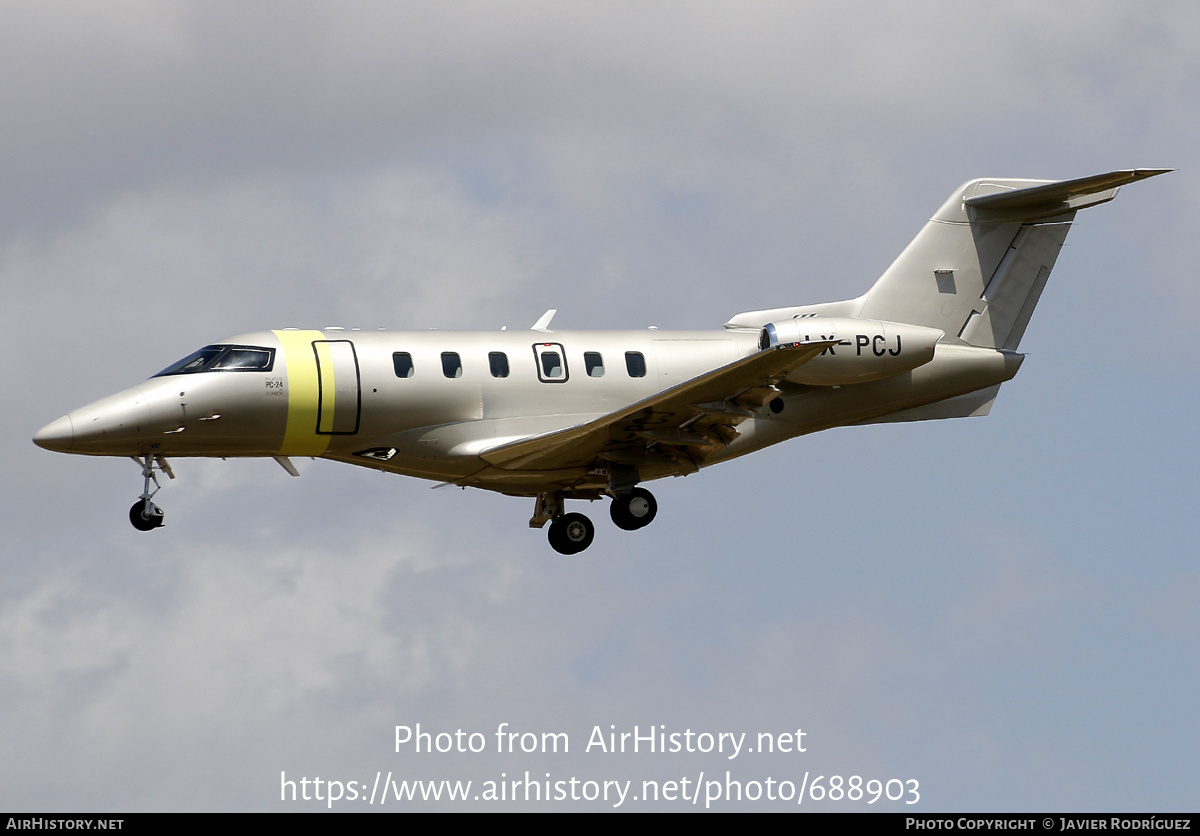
144, 514
569, 533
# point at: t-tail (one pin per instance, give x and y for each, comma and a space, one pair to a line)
978, 267
959, 296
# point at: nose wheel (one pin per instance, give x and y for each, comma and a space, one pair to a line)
145, 515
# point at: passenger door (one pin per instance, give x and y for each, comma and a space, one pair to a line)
339, 401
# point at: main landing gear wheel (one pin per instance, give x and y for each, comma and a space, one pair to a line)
571, 533
633, 510
145, 515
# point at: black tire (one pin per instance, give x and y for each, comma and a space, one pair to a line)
571, 533
633, 510
145, 516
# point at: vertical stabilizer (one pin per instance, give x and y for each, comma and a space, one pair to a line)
978, 267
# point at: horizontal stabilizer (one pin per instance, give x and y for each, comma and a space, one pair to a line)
1044, 201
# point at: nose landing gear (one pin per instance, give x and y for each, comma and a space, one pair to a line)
144, 514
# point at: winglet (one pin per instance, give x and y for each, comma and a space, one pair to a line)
543, 324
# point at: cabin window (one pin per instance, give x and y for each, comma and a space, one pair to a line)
402, 362
551, 365
594, 363
451, 364
498, 361
551, 362
635, 362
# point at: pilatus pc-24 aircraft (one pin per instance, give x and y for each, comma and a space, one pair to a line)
558, 415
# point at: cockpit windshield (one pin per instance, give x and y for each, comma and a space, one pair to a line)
223, 358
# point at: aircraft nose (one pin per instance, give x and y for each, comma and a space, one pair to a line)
57, 435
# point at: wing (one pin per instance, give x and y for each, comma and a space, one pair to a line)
682, 425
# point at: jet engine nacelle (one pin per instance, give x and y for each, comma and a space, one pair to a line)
867, 349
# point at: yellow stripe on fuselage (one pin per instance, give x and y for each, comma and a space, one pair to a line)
300, 437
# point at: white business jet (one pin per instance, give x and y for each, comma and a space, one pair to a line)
558, 415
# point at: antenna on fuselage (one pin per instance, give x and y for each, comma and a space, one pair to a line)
543, 324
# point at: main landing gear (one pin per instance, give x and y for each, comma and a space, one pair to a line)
633, 510
144, 514
572, 533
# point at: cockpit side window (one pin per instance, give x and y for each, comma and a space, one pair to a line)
224, 358
235, 359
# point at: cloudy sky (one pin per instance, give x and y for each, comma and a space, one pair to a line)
1003, 609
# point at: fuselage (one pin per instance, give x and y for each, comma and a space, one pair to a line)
428, 403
